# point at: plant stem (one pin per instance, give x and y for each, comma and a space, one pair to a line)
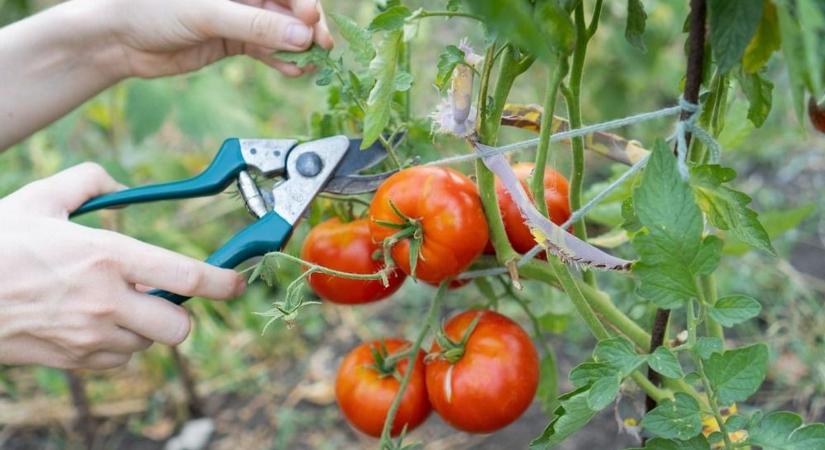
550, 94
713, 327
326, 270
435, 306
424, 14
573, 100
568, 283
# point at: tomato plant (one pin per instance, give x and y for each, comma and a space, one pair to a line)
487, 360
347, 247
367, 382
430, 210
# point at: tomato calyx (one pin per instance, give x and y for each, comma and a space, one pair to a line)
410, 229
452, 351
386, 363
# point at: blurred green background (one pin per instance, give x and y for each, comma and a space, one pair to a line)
273, 390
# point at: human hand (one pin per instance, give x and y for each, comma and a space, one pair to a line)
165, 37
68, 296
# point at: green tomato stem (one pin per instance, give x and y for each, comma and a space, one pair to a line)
550, 94
424, 14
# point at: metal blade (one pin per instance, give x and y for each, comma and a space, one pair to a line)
357, 160
356, 184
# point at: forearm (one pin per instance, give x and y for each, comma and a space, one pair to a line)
49, 64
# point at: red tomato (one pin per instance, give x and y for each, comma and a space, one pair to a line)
555, 196
817, 115
447, 206
495, 380
365, 395
346, 247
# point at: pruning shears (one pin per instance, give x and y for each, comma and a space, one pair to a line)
329, 164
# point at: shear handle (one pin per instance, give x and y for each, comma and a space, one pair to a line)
223, 170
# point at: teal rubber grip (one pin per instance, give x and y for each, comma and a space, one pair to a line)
267, 234
223, 170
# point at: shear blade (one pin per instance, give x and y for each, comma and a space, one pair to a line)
357, 160
356, 184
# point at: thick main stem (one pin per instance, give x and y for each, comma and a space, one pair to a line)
693, 81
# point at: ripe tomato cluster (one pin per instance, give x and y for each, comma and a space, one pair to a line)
481, 372
483, 382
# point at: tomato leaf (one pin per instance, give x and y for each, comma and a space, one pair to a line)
759, 92
727, 209
603, 391
776, 223
636, 20
619, 353
695, 443
314, 55
359, 39
589, 372
812, 25
555, 22
571, 415
675, 419
737, 374
447, 61
706, 346
548, 389
766, 41
379, 103
732, 26
670, 246
392, 19
734, 309
663, 360
793, 50
403, 81
786, 431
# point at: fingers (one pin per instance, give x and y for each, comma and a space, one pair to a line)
141, 263
153, 317
105, 360
255, 26
122, 340
306, 10
65, 191
322, 35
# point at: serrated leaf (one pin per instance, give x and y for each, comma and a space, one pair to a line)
603, 391
587, 373
695, 443
706, 346
675, 419
392, 19
359, 39
569, 417
548, 389
663, 361
786, 431
727, 209
759, 92
734, 309
668, 250
737, 374
766, 41
619, 353
315, 55
447, 61
776, 223
636, 21
148, 104
732, 26
379, 103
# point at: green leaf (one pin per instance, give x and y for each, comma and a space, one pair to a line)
403, 81
706, 346
148, 104
569, 417
447, 61
759, 92
736, 374
766, 41
708, 256
379, 103
793, 50
776, 223
619, 353
555, 22
732, 26
727, 209
675, 419
548, 389
587, 373
554, 322
695, 443
734, 309
314, 55
786, 431
668, 250
392, 19
636, 20
812, 23
359, 39
603, 392
663, 360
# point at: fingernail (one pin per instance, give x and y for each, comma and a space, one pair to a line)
298, 34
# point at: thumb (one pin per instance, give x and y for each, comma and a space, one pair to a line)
257, 26
65, 191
